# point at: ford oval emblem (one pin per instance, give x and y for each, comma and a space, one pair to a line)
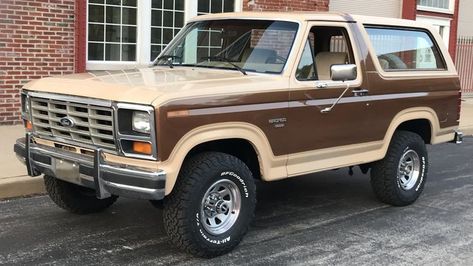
67, 122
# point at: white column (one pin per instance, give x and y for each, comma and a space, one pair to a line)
143, 45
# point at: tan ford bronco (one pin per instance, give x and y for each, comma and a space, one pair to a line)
239, 97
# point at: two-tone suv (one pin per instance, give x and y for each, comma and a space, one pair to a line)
239, 97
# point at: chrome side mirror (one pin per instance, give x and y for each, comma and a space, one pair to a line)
343, 72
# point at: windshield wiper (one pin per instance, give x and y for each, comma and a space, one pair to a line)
224, 59
169, 58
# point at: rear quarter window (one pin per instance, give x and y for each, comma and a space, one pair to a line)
405, 49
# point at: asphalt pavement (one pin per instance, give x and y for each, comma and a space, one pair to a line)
323, 218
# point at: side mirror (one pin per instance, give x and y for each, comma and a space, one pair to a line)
343, 72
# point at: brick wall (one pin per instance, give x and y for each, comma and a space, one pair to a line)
285, 5
36, 40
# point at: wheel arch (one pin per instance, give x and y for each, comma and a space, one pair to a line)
421, 120
214, 136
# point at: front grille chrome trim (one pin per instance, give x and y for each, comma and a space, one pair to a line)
94, 120
72, 99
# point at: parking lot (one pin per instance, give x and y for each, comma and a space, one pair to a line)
325, 218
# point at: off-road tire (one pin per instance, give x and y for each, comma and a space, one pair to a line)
182, 208
384, 174
74, 198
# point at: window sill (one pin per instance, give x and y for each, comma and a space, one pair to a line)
112, 65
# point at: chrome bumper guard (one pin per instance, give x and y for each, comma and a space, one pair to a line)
93, 172
458, 137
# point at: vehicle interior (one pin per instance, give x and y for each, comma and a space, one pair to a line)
325, 46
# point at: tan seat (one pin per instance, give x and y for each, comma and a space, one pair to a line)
384, 63
324, 60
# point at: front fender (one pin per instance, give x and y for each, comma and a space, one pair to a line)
271, 166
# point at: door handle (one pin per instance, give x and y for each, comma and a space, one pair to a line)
322, 85
360, 92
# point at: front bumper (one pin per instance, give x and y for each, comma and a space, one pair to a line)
94, 172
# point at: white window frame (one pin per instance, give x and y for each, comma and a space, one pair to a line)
450, 10
143, 35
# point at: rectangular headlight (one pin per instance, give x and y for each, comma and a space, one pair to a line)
141, 122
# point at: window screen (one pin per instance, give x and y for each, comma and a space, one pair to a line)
444, 4
405, 49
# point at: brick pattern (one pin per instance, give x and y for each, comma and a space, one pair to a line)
285, 5
36, 40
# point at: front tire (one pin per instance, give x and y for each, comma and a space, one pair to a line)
211, 206
74, 198
399, 178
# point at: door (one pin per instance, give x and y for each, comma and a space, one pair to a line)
323, 138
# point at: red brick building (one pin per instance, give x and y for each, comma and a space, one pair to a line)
41, 38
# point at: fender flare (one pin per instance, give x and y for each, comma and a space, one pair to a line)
408, 115
270, 165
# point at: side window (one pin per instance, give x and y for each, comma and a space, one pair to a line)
325, 46
306, 68
405, 49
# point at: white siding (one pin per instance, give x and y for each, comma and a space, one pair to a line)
465, 19
380, 8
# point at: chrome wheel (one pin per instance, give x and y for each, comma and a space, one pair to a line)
220, 207
408, 170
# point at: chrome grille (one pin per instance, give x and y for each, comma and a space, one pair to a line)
93, 124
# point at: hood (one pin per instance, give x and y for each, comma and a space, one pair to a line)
146, 85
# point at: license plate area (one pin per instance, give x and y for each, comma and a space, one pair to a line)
66, 170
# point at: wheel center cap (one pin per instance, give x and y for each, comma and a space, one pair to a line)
221, 207
215, 205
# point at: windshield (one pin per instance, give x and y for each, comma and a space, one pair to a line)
245, 45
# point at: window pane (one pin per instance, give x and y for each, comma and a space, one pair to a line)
155, 50
228, 5
402, 49
96, 1
179, 19
179, 5
444, 4
156, 18
113, 15
128, 52
96, 13
95, 51
129, 3
129, 34
113, 2
157, 4
112, 52
168, 19
203, 6
168, 4
216, 6
215, 38
167, 35
96, 32
306, 70
129, 16
156, 35
113, 33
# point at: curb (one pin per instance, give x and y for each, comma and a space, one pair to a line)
20, 186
